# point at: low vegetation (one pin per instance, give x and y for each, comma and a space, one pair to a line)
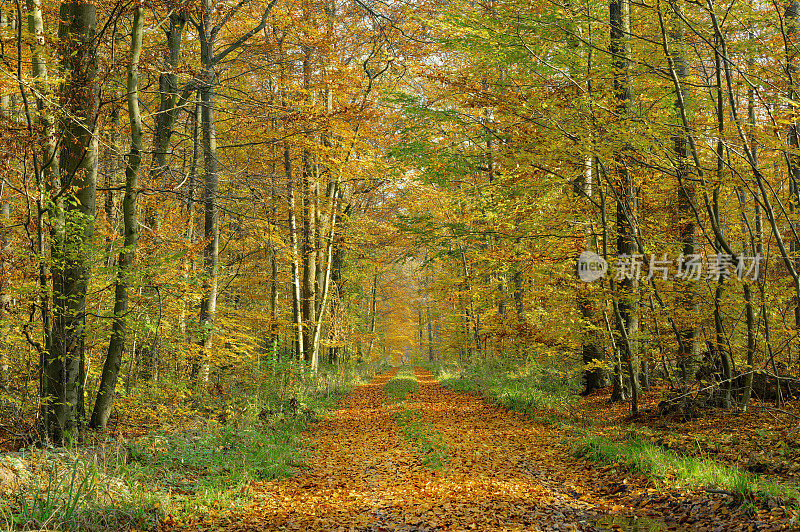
203, 465
528, 387
403, 383
428, 443
665, 465
598, 433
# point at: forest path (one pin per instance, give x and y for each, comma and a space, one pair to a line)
502, 472
366, 475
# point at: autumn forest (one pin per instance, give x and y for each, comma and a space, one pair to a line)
386, 265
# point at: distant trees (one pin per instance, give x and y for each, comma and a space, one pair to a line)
368, 176
141, 306
684, 122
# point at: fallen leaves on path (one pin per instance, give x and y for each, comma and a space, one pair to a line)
504, 473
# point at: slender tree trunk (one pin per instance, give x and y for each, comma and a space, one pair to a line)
431, 354
317, 328
297, 316
373, 301
170, 103
517, 280
108, 379
686, 297
47, 175
273, 280
720, 348
5, 251
472, 325
208, 304
625, 310
5, 221
755, 247
188, 262
595, 375
791, 15
309, 226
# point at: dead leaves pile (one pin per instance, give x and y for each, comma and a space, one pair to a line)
504, 473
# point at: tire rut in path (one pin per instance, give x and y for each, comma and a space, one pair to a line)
365, 476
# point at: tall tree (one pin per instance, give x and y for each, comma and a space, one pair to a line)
108, 379
625, 308
63, 391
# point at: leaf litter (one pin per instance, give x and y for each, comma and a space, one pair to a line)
503, 473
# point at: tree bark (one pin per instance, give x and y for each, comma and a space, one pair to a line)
208, 304
625, 310
80, 99
297, 316
47, 176
169, 97
108, 379
309, 228
686, 297
372, 312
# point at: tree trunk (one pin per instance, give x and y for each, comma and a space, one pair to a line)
5, 253
431, 355
625, 310
309, 226
297, 316
208, 304
189, 264
719, 331
791, 15
317, 326
755, 247
80, 99
273, 280
595, 375
168, 106
686, 298
108, 379
47, 175
372, 309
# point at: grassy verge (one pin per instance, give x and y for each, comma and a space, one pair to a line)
203, 467
653, 461
530, 388
547, 398
70, 492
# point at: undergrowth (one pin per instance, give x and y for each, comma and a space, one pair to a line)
207, 464
528, 387
644, 457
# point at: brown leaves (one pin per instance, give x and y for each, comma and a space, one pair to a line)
505, 473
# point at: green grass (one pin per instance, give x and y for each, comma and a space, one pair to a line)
460, 384
213, 467
399, 386
80, 496
428, 443
649, 459
222, 458
532, 389
241, 436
